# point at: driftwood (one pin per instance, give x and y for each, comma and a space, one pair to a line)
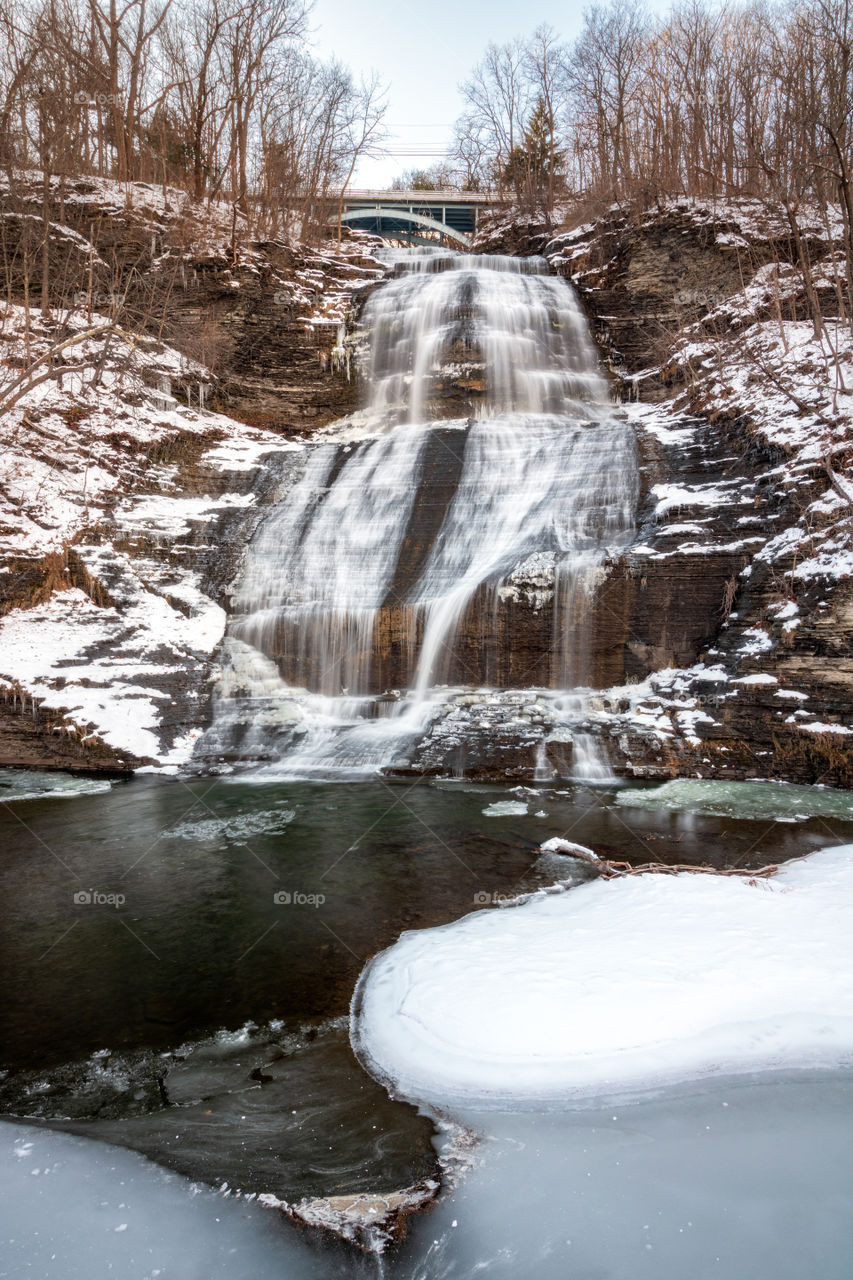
610, 869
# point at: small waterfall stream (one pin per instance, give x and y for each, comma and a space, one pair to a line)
487, 445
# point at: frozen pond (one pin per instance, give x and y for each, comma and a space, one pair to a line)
739, 1179
69, 1207
198, 1020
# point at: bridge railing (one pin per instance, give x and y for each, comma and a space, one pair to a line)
441, 195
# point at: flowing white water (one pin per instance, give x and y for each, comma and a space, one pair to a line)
322, 564
393, 548
525, 327
529, 484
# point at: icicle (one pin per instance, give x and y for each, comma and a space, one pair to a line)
165, 399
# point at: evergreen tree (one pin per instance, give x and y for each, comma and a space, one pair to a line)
532, 168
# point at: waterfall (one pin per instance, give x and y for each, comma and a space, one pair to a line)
389, 569
503, 316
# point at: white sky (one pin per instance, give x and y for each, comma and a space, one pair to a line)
423, 52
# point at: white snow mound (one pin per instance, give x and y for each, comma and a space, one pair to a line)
617, 985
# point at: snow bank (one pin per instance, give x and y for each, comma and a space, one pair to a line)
95, 664
616, 985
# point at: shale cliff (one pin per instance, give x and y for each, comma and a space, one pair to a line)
733, 610
145, 422
720, 642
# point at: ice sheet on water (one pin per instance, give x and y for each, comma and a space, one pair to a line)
77, 1208
741, 799
239, 827
616, 984
32, 784
732, 1179
506, 809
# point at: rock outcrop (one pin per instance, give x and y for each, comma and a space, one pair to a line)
264, 316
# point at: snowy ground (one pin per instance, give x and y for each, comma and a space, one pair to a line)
318, 286
747, 357
797, 391
737, 224
93, 467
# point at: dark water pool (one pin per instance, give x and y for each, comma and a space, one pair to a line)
163, 909
179, 956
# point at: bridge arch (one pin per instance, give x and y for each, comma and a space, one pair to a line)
378, 214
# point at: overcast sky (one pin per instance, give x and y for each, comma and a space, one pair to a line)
423, 52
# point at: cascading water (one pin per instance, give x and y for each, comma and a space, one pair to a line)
487, 444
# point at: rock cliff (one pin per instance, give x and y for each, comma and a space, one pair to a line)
721, 643
732, 611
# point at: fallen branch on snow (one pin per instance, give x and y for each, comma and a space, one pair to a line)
611, 869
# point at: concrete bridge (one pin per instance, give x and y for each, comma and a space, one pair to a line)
417, 217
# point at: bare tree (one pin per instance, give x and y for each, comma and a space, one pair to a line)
191, 38
251, 48
363, 131
499, 98
604, 77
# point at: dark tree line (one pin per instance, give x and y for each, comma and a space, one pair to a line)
712, 100
220, 98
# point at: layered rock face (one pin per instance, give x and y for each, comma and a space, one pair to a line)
126, 500
699, 478
744, 547
265, 317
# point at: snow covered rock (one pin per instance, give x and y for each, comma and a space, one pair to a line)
570, 850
